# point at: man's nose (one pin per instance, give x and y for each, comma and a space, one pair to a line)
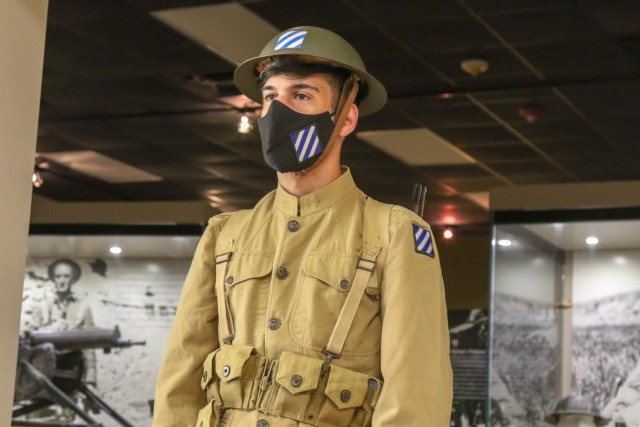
287, 102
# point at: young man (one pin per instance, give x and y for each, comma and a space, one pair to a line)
320, 306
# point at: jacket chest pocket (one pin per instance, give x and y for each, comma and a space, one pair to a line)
325, 283
246, 285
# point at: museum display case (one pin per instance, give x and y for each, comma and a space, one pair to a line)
564, 313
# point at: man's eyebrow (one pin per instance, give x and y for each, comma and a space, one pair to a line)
305, 86
296, 87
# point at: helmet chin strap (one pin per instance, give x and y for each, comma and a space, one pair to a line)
347, 97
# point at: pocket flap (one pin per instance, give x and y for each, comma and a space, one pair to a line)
245, 266
346, 388
298, 373
337, 271
230, 360
207, 370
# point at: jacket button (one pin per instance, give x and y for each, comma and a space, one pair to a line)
226, 370
345, 396
293, 226
282, 273
373, 384
296, 380
229, 280
274, 324
344, 283
262, 423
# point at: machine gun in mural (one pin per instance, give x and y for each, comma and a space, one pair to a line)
50, 371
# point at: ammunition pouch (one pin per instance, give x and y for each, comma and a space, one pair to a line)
295, 387
232, 376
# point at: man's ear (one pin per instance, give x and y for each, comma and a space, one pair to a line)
350, 121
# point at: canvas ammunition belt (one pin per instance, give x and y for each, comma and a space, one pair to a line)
295, 387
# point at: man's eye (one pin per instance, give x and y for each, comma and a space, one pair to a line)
302, 96
269, 97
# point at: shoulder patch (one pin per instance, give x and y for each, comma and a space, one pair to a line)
423, 241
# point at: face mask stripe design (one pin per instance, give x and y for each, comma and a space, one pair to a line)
422, 240
309, 133
290, 40
306, 143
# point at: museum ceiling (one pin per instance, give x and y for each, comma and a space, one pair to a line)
138, 102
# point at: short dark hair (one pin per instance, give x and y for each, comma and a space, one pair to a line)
75, 268
291, 66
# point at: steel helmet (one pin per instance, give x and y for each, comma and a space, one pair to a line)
578, 405
314, 43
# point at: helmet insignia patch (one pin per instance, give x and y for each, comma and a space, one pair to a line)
290, 40
423, 241
306, 143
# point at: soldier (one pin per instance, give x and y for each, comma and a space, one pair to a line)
320, 306
68, 312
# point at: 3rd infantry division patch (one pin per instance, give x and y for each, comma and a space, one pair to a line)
423, 241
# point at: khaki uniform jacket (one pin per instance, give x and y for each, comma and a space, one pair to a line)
286, 285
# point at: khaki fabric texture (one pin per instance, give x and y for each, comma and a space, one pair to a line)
285, 286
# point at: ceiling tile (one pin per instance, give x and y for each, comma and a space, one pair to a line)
498, 153
454, 171
100, 167
416, 147
476, 135
229, 29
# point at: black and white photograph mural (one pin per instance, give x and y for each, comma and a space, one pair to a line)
124, 305
524, 361
468, 334
524, 371
606, 333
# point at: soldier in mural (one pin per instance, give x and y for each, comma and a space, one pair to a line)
68, 310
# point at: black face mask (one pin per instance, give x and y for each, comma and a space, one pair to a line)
292, 141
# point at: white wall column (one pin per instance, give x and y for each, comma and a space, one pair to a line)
22, 34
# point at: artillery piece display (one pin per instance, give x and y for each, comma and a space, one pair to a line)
50, 372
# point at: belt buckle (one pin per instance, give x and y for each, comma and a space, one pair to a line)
370, 267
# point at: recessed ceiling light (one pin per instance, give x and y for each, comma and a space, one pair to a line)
115, 250
504, 242
448, 233
592, 240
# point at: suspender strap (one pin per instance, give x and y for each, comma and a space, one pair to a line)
225, 322
375, 234
366, 266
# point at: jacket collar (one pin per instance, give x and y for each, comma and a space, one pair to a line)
317, 201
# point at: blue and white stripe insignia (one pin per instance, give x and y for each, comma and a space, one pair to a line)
291, 40
423, 241
306, 143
